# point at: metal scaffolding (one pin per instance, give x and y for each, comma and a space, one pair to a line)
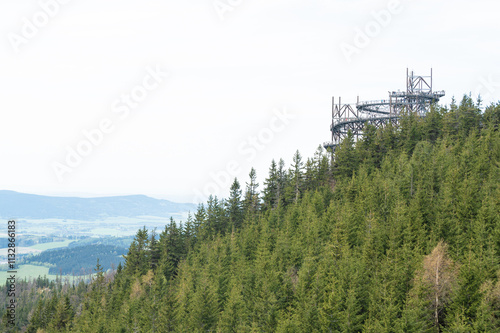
417, 99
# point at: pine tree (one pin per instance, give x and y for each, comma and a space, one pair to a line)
345, 158
136, 260
189, 233
282, 182
251, 202
232, 318
171, 249
204, 308
296, 178
270, 193
62, 316
216, 220
153, 256
466, 298
199, 221
234, 206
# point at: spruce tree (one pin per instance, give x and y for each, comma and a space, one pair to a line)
234, 206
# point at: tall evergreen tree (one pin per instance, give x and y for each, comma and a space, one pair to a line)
234, 205
297, 176
251, 202
271, 184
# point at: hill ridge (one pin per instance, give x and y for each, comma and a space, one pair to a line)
25, 205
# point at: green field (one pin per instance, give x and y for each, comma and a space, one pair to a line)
27, 271
51, 245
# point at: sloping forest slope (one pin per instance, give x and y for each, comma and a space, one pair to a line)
400, 233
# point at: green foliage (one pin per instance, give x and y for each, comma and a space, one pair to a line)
399, 234
78, 260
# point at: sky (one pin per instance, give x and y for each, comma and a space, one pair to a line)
174, 99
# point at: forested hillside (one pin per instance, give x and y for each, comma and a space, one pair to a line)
78, 260
400, 233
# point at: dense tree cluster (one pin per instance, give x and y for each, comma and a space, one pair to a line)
399, 233
33, 298
78, 260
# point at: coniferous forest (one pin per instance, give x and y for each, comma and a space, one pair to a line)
400, 232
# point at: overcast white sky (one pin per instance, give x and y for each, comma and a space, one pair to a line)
237, 69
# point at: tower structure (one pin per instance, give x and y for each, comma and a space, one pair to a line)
417, 99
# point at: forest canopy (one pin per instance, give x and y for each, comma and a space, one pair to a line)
400, 232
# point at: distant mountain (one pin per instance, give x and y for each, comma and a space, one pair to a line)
22, 205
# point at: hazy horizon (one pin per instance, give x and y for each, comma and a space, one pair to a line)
174, 99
